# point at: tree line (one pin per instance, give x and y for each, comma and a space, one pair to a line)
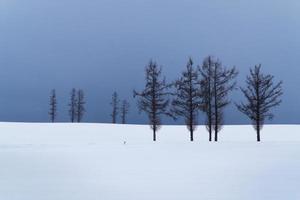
206, 89
203, 88
77, 107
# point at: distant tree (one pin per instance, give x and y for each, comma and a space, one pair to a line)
262, 94
187, 101
124, 110
53, 106
219, 84
153, 99
73, 105
115, 107
80, 105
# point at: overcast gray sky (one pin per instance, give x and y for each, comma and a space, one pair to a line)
104, 45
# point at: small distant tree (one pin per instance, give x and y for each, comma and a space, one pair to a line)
124, 110
187, 101
80, 110
73, 105
53, 106
220, 82
153, 99
262, 94
115, 107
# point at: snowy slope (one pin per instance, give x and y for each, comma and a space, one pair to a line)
91, 162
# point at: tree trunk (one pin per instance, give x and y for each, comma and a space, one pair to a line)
216, 122
216, 135
210, 133
209, 101
216, 105
192, 134
191, 125
154, 134
258, 110
258, 132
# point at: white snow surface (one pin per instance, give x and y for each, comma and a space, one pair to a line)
63, 161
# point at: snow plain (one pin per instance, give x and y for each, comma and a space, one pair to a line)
91, 162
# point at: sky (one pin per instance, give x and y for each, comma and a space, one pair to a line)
102, 46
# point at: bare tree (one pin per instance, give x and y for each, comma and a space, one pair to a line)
207, 92
53, 106
124, 110
220, 83
80, 110
187, 101
115, 107
153, 99
262, 94
73, 105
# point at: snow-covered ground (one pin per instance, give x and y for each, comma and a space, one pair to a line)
91, 162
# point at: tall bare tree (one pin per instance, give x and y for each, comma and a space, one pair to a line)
223, 84
220, 83
206, 85
115, 107
80, 110
261, 94
53, 106
187, 101
73, 105
124, 110
153, 100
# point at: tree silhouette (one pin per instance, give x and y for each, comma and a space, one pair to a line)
207, 92
153, 99
124, 110
115, 107
261, 94
73, 105
80, 105
53, 106
187, 101
218, 85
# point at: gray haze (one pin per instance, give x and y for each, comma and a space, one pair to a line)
103, 46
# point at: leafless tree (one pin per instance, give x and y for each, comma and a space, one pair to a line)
153, 100
124, 110
262, 94
53, 106
115, 107
187, 101
219, 84
73, 105
80, 110
207, 92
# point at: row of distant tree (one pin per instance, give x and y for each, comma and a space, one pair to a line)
118, 109
204, 88
77, 107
